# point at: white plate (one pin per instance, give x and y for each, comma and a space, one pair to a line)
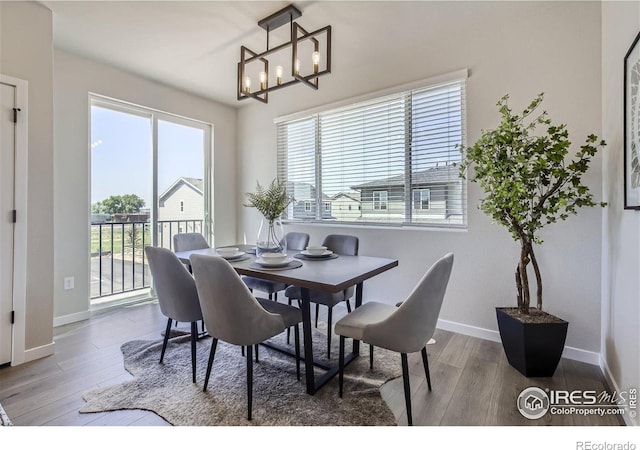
264, 263
236, 256
321, 255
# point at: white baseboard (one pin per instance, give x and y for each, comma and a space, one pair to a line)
576, 354
613, 386
39, 352
71, 318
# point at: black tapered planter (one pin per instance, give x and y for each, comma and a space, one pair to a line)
533, 347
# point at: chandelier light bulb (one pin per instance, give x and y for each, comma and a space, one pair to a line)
263, 80
315, 58
279, 71
297, 67
247, 84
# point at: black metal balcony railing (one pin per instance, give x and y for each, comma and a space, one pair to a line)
117, 253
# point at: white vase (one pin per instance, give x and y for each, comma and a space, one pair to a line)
271, 237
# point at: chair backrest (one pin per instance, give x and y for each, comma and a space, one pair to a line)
183, 242
409, 328
174, 286
231, 313
342, 244
297, 241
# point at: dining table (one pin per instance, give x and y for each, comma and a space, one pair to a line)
332, 275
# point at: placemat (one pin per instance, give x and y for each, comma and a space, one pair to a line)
242, 258
291, 265
312, 258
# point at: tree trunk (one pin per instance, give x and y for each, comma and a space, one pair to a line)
519, 287
538, 277
524, 262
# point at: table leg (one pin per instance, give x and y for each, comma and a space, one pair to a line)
305, 308
356, 344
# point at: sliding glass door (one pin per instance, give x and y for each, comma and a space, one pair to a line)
150, 180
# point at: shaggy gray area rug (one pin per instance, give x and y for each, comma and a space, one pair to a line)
4, 419
279, 399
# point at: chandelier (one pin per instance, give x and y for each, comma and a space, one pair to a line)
302, 55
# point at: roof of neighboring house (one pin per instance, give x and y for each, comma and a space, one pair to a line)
355, 196
296, 186
195, 183
434, 175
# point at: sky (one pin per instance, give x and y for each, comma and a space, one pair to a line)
121, 154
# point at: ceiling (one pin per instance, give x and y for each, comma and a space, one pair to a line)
193, 45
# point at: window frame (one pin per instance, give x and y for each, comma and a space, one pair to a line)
421, 200
382, 205
459, 210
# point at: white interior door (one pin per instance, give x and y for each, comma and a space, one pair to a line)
7, 205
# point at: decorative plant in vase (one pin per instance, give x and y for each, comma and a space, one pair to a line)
529, 184
271, 202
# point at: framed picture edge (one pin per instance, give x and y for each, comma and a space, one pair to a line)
625, 139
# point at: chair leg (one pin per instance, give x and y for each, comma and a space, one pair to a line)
270, 296
341, 366
425, 363
348, 306
212, 354
275, 296
288, 335
257, 351
329, 333
167, 331
242, 349
194, 338
249, 381
371, 356
407, 388
297, 344
317, 313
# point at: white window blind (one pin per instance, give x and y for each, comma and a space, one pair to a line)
389, 160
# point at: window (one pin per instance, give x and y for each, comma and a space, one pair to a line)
327, 206
421, 198
395, 156
380, 200
307, 206
181, 205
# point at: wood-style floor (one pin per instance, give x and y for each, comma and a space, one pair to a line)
472, 382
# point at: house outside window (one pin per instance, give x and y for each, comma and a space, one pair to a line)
380, 200
421, 198
392, 159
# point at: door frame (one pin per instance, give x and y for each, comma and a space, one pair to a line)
20, 181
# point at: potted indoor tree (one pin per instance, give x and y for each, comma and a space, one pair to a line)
271, 202
528, 184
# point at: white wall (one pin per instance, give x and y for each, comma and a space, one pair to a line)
510, 47
621, 243
26, 51
74, 78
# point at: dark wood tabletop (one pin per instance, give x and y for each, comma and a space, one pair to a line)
331, 275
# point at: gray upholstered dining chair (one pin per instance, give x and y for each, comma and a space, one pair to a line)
177, 295
405, 328
183, 242
232, 314
339, 244
295, 242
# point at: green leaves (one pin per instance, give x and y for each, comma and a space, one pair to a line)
526, 177
271, 201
